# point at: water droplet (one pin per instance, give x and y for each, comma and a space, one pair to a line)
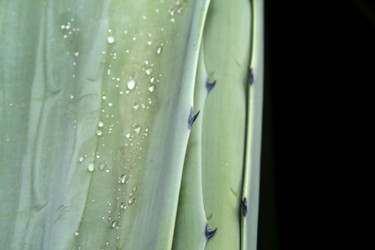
110, 39
136, 106
137, 128
91, 167
100, 124
99, 132
123, 205
76, 53
104, 97
76, 233
80, 159
152, 80
131, 84
110, 104
151, 88
134, 189
102, 166
131, 201
114, 224
149, 43
127, 136
124, 178
148, 71
159, 50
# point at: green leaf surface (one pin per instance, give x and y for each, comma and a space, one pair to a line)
227, 48
96, 151
191, 217
87, 156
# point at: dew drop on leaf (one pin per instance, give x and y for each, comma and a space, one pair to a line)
123, 178
151, 88
110, 39
123, 205
91, 167
159, 50
102, 166
136, 106
131, 201
137, 129
131, 84
114, 224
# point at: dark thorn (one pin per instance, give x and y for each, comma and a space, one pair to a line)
210, 85
192, 117
251, 76
244, 206
209, 233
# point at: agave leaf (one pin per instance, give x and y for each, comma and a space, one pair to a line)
214, 163
250, 193
227, 48
96, 105
95, 120
191, 217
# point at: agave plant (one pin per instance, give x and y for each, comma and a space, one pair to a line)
130, 124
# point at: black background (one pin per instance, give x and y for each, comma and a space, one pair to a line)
320, 69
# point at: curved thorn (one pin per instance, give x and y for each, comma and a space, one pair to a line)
210, 85
192, 117
244, 206
251, 76
209, 233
